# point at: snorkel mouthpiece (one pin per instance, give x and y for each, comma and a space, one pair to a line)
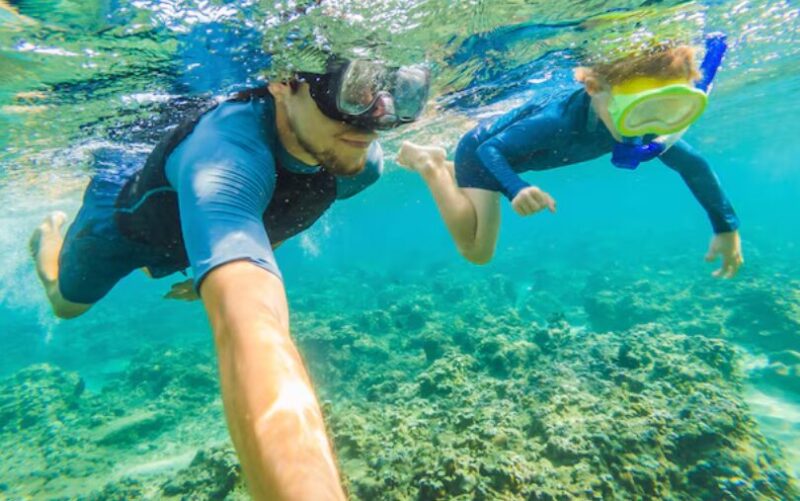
633, 151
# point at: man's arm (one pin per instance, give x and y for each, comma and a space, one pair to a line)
273, 416
224, 181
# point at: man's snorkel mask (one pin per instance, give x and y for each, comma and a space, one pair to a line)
368, 94
645, 107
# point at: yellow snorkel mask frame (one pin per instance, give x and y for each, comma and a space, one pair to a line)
645, 106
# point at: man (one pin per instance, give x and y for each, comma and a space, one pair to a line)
217, 193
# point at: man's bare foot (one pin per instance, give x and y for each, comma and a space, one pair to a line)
45, 245
183, 291
421, 158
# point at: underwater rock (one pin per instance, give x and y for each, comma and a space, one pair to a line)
181, 376
38, 394
767, 316
130, 429
370, 349
412, 314
125, 488
375, 322
321, 336
502, 357
432, 342
213, 474
621, 309
78, 435
445, 376
786, 377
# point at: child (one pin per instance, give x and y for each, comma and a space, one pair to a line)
637, 107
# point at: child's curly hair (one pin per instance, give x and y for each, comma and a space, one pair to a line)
662, 62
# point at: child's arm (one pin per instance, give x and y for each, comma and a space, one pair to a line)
518, 141
704, 184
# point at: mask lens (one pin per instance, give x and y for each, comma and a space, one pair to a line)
666, 113
410, 92
663, 113
359, 87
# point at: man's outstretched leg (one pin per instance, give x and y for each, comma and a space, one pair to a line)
46, 243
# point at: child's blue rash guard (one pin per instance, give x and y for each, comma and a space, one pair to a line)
540, 136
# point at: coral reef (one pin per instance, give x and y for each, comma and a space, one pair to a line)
447, 385
58, 439
644, 413
760, 312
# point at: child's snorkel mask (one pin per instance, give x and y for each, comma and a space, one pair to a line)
645, 106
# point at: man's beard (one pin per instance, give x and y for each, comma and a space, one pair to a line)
331, 162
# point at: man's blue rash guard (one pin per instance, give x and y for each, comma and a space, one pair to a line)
224, 173
541, 136
215, 189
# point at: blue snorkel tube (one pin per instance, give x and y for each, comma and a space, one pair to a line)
633, 151
715, 50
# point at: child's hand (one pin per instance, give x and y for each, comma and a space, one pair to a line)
729, 246
531, 200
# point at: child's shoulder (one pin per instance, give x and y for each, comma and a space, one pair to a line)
553, 104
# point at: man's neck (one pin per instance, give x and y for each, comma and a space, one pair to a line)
289, 139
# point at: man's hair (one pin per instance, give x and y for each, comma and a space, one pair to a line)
661, 62
332, 65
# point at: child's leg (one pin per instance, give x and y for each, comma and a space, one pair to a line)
46, 243
486, 204
472, 215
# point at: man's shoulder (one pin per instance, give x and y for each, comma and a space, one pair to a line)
252, 118
233, 135
239, 128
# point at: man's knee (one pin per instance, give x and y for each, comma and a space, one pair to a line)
70, 311
66, 309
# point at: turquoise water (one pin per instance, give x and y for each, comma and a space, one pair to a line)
439, 379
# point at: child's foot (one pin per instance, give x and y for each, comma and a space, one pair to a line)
421, 158
45, 245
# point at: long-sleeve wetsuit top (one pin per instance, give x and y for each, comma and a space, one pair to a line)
563, 131
224, 173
